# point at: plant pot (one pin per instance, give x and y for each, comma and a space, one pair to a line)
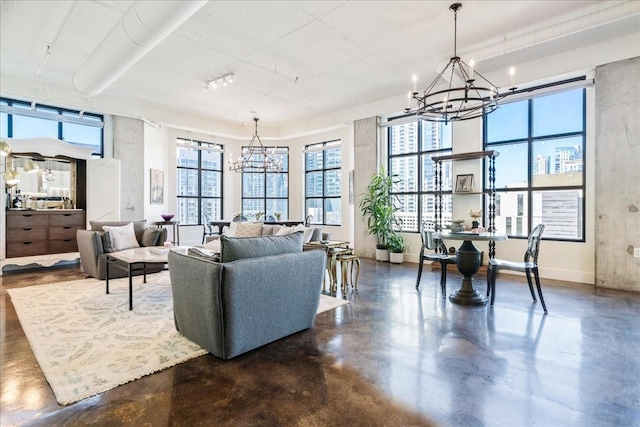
382, 255
396, 257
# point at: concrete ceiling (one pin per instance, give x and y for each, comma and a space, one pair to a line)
292, 59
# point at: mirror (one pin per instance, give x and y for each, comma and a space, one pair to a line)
47, 183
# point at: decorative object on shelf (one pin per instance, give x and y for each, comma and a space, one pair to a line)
379, 206
256, 157
457, 225
474, 97
167, 217
475, 215
277, 215
464, 183
156, 183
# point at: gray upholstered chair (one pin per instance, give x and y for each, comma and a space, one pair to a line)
528, 266
264, 289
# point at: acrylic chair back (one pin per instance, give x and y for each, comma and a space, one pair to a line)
533, 244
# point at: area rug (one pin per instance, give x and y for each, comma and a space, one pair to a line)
88, 342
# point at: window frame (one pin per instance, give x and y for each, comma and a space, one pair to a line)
280, 151
13, 107
530, 140
200, 146
323, 147
421, 152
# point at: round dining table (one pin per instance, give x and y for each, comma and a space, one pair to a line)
468, 263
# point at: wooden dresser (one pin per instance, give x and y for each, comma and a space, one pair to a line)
43, 232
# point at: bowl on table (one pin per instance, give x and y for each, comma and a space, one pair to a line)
167, 217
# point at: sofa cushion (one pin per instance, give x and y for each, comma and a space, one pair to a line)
121, 237
307, 232
284, 230
252, 247
213, 245
151, 237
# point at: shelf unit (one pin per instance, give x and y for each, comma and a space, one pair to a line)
490, 191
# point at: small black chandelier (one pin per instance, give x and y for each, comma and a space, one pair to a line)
476, 97
256, 157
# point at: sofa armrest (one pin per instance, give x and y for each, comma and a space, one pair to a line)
268, 298
89, 247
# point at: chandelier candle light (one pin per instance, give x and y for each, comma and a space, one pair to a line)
477, 96
256, 157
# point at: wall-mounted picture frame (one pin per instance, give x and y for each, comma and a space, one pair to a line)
464, 183
157, 187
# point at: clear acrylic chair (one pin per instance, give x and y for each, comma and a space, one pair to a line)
528, 266
434, 250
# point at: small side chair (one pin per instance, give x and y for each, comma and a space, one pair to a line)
528, 266
434, 250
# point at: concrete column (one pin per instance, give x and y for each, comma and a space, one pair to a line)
617, 175
366, 145
128, 147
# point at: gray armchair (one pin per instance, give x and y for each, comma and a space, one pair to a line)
93, 248
232, 307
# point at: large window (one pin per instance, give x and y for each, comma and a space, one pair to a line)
19, 119
539, 172
411, 147
267, 193
199, 186
323, 183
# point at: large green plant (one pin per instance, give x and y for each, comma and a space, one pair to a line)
379, 206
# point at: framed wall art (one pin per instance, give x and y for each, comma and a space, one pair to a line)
157, 187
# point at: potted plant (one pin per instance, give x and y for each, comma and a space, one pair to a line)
379, 206
396, 249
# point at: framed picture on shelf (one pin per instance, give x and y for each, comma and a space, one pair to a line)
157, 187
464, 183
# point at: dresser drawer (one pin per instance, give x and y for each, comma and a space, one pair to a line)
26, 234
62, 246
26, 220
18, 249
63, 233
66, 219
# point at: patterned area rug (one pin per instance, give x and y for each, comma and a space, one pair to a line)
88, 342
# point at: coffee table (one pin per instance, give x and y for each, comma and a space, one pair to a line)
134, 261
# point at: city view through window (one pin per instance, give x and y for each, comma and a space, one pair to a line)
323, 183
267, 194
199, 182
539, 171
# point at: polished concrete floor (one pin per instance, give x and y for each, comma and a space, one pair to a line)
395, 356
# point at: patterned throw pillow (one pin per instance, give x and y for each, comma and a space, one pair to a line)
121, 238
248, 229
213, 246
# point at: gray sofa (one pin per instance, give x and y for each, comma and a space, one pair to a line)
93, 247
264, 289
272, 229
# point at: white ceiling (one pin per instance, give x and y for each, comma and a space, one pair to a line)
293, 59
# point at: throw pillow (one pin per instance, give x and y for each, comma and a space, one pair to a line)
248, 229
233, 248
106, 241
213, 245
151, 236
307, 232
204, 254
121, 238
284, 231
